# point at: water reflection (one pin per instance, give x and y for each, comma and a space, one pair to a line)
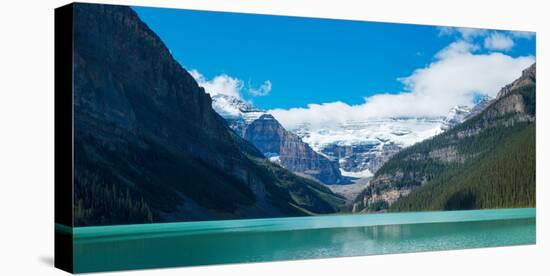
250, 246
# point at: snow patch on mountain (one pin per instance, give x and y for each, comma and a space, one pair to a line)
233, 108
359, 147
360, 174
375, 132
456, 116
275, 159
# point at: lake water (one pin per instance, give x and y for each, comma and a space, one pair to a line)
234, 241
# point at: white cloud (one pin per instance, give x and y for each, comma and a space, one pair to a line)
221, 84
456, 75
457, 48
522, 34
228, 85
263, 90
492, 40
498, 41
464, 33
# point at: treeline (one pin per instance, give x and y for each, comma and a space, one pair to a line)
100, 203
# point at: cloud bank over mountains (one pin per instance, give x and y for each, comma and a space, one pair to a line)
475, 63
457, 75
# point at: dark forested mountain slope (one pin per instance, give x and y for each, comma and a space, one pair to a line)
503, 178
488, 161
150, 148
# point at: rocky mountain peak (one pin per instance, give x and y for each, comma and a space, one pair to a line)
482, 99
530, 72
528, 77
481, 103
232, 107
456, 115
235, 103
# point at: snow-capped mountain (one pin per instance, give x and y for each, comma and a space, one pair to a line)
456, 116
228, 106
276, 143
237, 112
461, 113
361, 147
482, 102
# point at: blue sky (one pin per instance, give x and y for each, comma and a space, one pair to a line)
317, 61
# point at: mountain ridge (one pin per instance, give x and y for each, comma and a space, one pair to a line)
471, 142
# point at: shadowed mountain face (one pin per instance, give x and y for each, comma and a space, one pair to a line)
268, 135
150, 148
487, 161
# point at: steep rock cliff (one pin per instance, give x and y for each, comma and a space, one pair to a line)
288, 150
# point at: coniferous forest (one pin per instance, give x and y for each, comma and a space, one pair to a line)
488, 161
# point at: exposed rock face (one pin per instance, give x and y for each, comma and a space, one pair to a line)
145, 130
274, 141
459, 114
446, 155
482, 103
362, 156
238, 113
507, 104
528, 77
456, 116
288, 149
417, 165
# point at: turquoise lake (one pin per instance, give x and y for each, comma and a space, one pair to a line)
124, 247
